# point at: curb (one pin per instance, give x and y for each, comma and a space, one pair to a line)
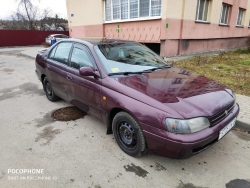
25, 55
242, 125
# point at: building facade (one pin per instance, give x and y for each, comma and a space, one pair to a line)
177, 27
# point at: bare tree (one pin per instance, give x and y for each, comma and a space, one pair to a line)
30, 11
28, 16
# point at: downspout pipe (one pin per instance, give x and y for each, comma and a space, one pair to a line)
181, 26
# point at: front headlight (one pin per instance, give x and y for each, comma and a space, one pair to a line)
187, 126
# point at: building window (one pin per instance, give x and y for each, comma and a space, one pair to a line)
184, 72
240, 17
134, 8
202, 10
108, 10
124, 9
224, 14
116, 10
177, 81
155, 8
144, 8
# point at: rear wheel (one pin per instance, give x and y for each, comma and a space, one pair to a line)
49, 91
128, 134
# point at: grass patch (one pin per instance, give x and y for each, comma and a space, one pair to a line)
229, 68
244, 62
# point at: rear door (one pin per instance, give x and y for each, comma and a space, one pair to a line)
56, 68
83, 91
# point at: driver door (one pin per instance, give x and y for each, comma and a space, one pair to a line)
83, 91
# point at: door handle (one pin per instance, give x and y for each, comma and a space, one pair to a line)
69, 77
48, 66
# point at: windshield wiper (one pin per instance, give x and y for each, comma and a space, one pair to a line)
127, 73
158, 68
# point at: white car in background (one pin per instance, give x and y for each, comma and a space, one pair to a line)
58, 37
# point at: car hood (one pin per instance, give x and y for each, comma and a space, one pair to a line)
189, 94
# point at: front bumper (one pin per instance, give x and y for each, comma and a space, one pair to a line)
173, 145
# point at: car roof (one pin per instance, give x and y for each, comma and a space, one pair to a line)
96, 41
57, 34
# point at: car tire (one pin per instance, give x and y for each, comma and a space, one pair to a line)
128, 134
50, 94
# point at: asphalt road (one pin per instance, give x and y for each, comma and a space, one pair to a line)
80, 154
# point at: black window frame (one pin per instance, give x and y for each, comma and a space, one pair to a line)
58, 36
64, 36
56, 46
50, 52
82, 46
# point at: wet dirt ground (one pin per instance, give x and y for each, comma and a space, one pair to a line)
79, 153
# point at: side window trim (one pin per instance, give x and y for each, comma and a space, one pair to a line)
52, 58
68, 55
82, 47
96, 66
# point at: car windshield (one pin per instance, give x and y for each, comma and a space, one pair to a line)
128, 57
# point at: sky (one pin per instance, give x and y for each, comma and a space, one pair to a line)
57, 6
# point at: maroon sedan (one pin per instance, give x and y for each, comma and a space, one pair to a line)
146, 103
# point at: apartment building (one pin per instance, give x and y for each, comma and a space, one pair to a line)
171, 27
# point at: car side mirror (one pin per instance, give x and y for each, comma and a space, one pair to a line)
88, 71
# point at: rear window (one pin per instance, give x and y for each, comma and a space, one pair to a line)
62, 52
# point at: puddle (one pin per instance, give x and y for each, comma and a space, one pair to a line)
238, 183
136, 169
45, 120
68, 114
8, 70
14, 92
48, 134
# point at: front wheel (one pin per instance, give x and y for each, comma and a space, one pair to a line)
49, 90
128, 134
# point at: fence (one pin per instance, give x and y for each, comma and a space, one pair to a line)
25, 37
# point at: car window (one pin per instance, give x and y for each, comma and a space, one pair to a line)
128, 57
80, 58
58, 36
62, 52
64, 36
52, 53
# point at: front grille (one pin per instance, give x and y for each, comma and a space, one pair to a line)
215, 119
